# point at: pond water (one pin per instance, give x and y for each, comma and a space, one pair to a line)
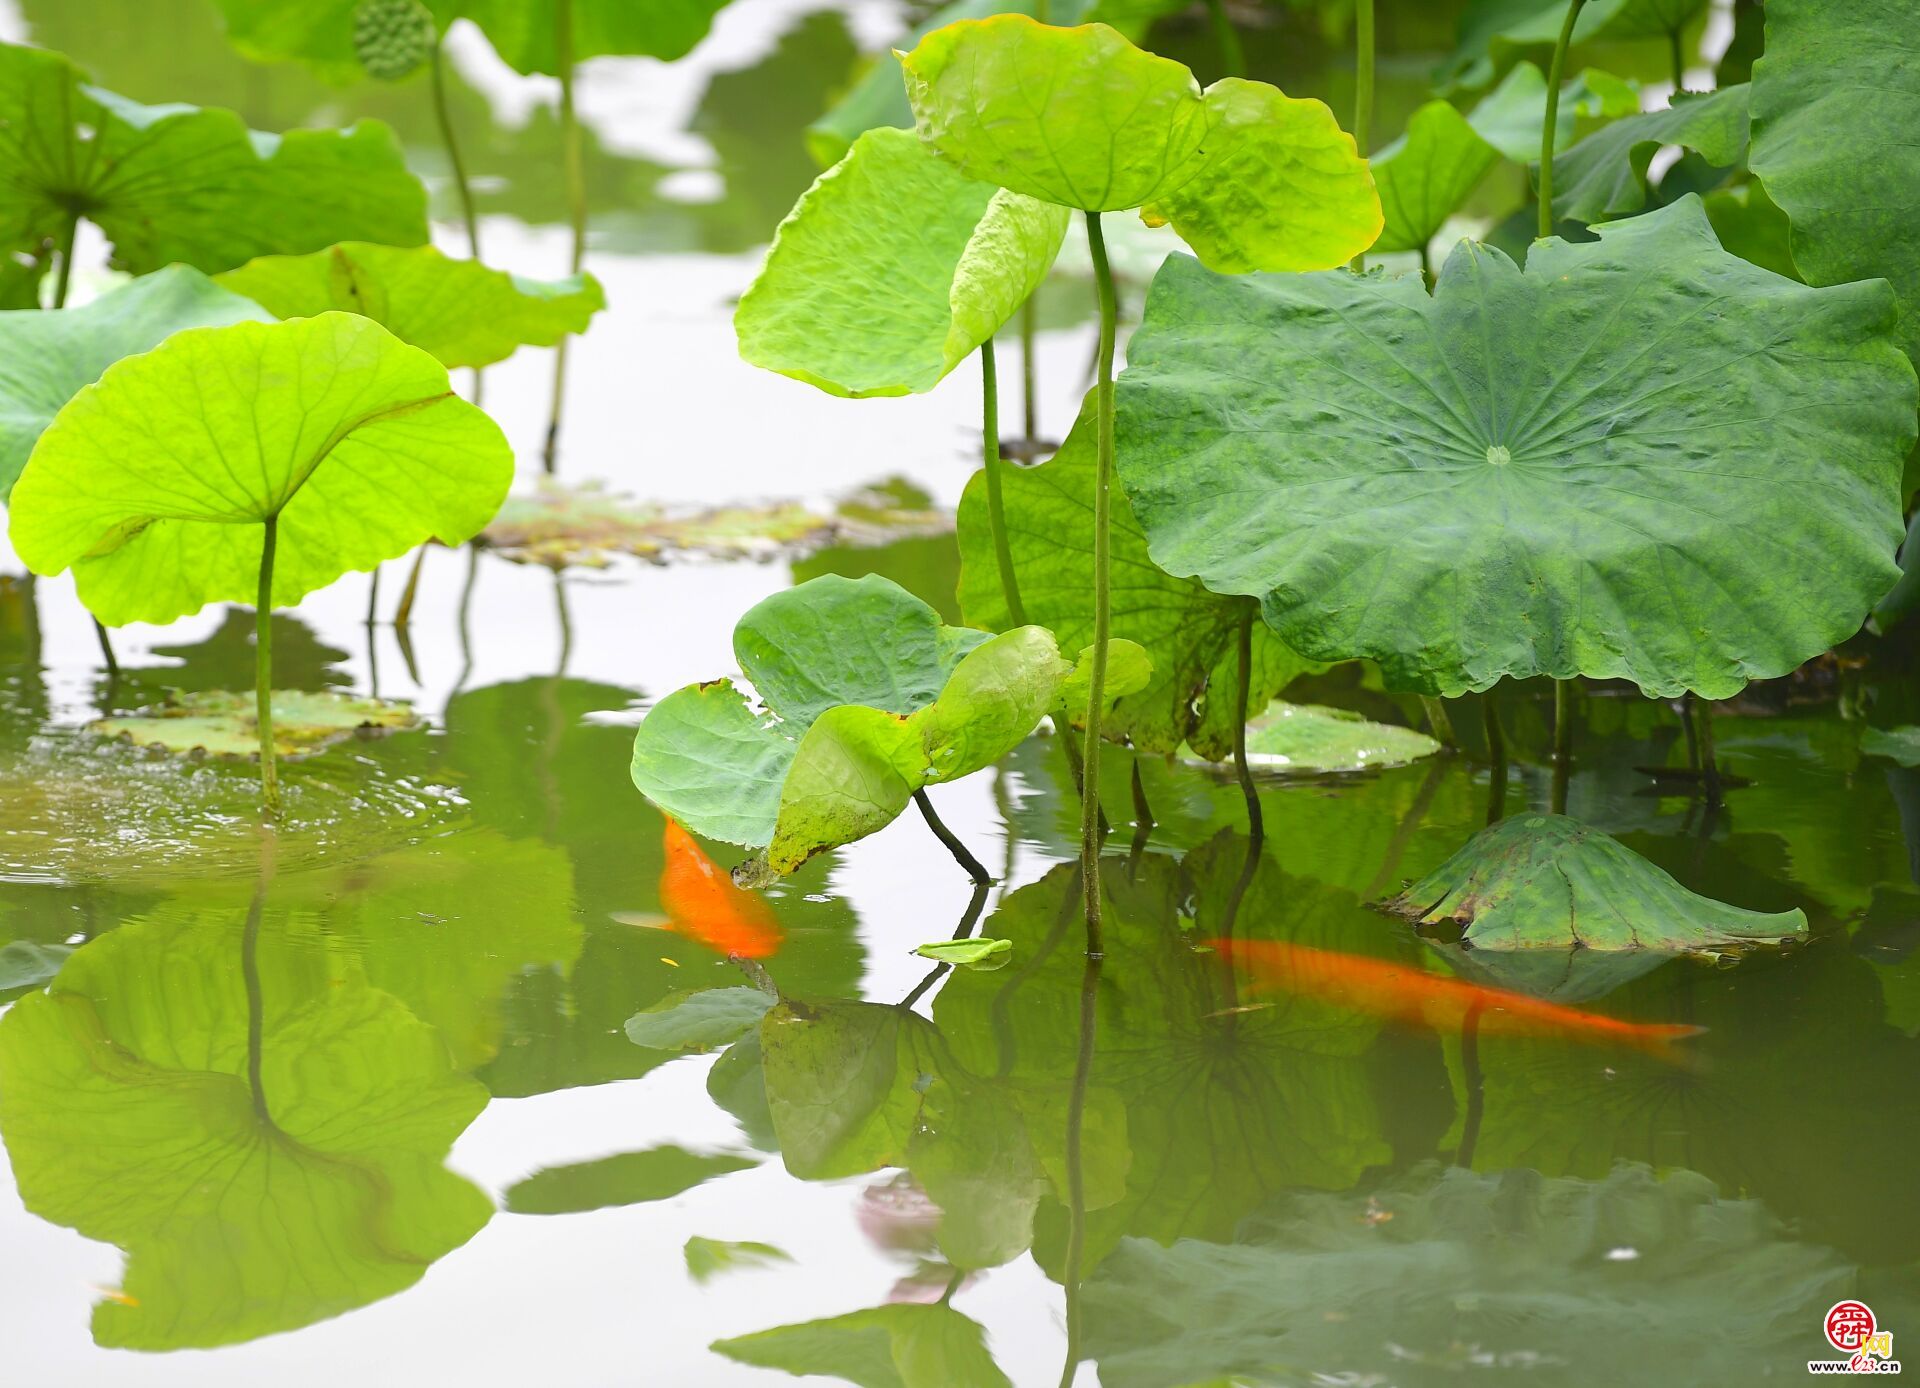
361, 1103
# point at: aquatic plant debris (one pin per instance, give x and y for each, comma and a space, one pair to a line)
220, 723
1311, 737
1544, 881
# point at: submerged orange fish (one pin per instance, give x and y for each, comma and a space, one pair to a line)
1410, 996
702, 904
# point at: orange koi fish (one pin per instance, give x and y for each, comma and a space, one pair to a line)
702, 904
1412, 997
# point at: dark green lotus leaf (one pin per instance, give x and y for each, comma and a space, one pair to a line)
1750, 225
327, 35
1836, 100
221, 723
897, 1346
1187, 632
699, 1021
892, 269
631, 1178
1605, 175
868, 697
1308, 737
1896, 744
1491, 31
1544, 881
522, 31
1521, 1269
1582, 468
708, 1258
268, 1156
46, 357
460, 311
177, 183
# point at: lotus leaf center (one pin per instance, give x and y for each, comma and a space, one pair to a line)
1498, 455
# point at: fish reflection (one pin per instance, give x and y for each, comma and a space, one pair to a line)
1414, 998
702, 904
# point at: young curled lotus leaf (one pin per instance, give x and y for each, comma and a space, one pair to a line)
1583, 468
860, 300
1283, 186
155, 490
1544, 881
894, 1346
47, 356
1605, 175
968, 954
178, 183
699, 1021
461, 311
1187, 632
1308, 737
220, 723
868, 698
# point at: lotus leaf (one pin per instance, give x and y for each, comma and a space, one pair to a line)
156, 492
319, 33
177, 183
220, 723
967, 954
1605, 175
24, 964
47, 356
891, 270
1836, 100
699, 1021
1491, 29
897, 1346
1583, 468
1307, 737
522, 31
1753, 228
868, 698
1548, 882
1510, 116
708, 1258
1425, 176
460, 311
1896, 744
1186, 631
631, 1178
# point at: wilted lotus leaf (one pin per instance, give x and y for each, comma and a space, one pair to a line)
1549, 882
220, 723
561, 525
1308, 737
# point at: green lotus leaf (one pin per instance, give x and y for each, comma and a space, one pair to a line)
1900, 744
1510, 116
868, 698
155, 490
522, 31
630, 1178
257, 1126
177, 183
700, 1020
1836, 100
1426, 175
1187, 632
1750, 225
891, 270
708, 1258
1605, 175
896, 1346
967, 954
1544, 881
1583, 468
47, 356
1307, 737
1078, 117
460, 311
1282, 188
221, 723
1491, 30
322, 33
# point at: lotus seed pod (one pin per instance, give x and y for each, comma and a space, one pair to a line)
392, 37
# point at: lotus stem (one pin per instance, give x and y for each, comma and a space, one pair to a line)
1233, 56
1438, 721
1709, 760
1363, 90
373, 596
466, 625
1496, 758
1256, 825
1679, 60
996, 504
263, 669
64, 278
106, 649
1029, 370
250, 980
1142, 813
1548, 128
972, 865
1562, 742
1076, 1165
404, 612
1102, 599
444, 119
576, 209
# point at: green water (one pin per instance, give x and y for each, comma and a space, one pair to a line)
358, 1103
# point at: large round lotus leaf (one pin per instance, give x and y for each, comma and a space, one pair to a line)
220, 723
154, 483
1190, 634
1836, 102
891, 270
177, 183
1543, 881
523, 31
1283, 186
1075, 116
1641, 457
47, 356
1605, 175
459, 310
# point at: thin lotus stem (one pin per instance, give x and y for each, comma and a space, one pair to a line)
996, 504
404, 612
1029, 369
1679, 61
1562, 742
576, 208
1496, 758
1549, 128
250, 981
373, 596
106, 649
1076, 1165
1437, 719
1256, 825
1226, 38
445, 121
1426, 265
1709, 760
1363, 90
263, 669
1687, 727
1142, 814
64, 279
466, 626
566, 622
1102, 600
961, 855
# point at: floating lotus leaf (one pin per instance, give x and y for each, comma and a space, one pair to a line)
1836, 100
1605, 175
1308, 737
868, 698
968, 954
522, 31
460, 311
897, 1346
1581, 468
631, 1178
220, 723
177, 183
155, 488
1549, 882
1188, 632
891, 270
699, 1021
1896, 744
708, 1258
